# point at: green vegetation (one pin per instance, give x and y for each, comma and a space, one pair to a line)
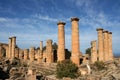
99, 65
88, 51
67, 69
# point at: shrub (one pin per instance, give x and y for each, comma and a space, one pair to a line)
67, 69
99, 65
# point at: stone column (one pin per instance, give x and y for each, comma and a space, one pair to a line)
10, 48
32, 54
40, 52
7, 51
100, 44
106, 54
94, 55
17, 52
1, 51
61, 41
13, 46
49, 51
110, 46
41, 45
75, 41
26, 54
21, 54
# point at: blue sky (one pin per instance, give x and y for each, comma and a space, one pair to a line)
33, 21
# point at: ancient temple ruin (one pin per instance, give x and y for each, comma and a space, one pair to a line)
101, 49
104, 50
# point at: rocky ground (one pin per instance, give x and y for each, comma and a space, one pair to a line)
17, 70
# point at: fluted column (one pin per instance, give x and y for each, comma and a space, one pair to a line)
32, 54
94, 51
110, 46
10, 48
61, 41
49, 51
75, 41
106, 54
26, 54
13, 46
100, 44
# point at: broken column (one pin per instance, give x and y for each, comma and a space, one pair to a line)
32, 54
75, 41
110, 46
10, 48
13, 46
41, 45
100, 44
26, 54
49, 51
40, 52
61, 41
94, 51
21, 54
17, 52
106, 54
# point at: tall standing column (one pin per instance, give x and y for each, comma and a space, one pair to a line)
93, 51
100, 44
49, 51
75, 41
61, 41
110, 46
106, 54
13, 46
10, 48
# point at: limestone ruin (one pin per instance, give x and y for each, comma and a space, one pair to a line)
101, 49
104, 52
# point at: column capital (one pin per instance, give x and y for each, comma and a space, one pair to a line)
110, 32
10, 38
13, 37
49, 40
63, 23
99, 29
74, 19
105, 31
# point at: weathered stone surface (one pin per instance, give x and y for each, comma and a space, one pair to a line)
49, 51
10, 47
110, 46
75, 41
94, 55
106, 49
13, 47
17, 52
61, 41
26, 54
100, 44
32, 54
